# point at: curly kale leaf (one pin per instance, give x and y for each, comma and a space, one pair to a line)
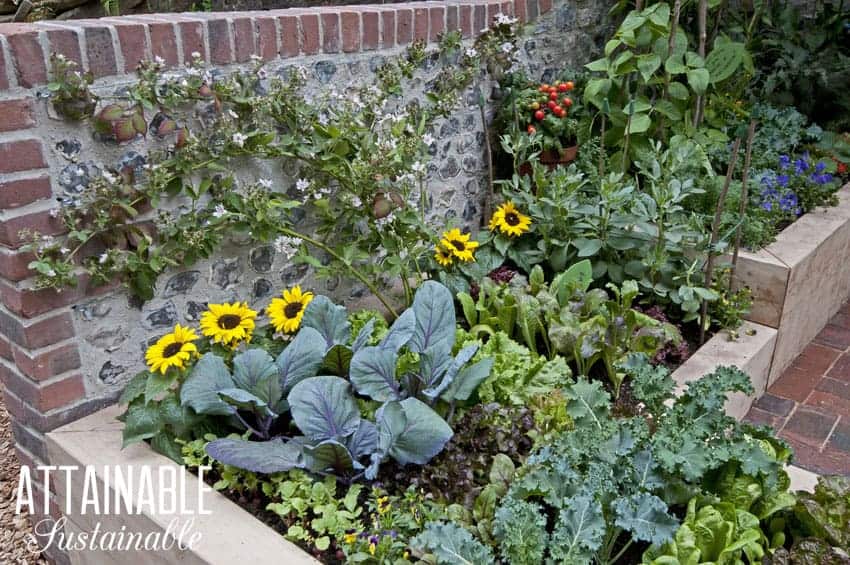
520, 528
579, 531
451, 544
645, 516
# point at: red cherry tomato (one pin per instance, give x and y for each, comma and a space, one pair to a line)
567, 102
552, 104
531, 130
570, 85
553, 96
539, 115
562, 87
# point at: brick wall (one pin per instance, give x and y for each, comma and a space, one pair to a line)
60, 357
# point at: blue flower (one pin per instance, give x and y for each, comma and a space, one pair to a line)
820, 167
782, 180
784, 161
767, 205
767, 181
787, 202
800, 166
823, 179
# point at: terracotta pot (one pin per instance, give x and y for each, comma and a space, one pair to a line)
552, 159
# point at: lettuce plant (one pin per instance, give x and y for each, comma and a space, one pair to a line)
331, 436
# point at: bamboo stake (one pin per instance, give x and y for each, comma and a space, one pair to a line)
715, 227
671, 43
702, 18
488, 204
742, 208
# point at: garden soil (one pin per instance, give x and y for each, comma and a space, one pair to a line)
13, 527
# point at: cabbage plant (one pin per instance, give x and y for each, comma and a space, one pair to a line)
332, 435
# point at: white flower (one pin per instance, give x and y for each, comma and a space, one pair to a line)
504, 19
109, 177
159, 60
287, 246
428, 139
265, 183
233, 114
256, 58
507, 47
239, 139
219, 211
196, 55
471, 52
385, 221
418, 168
356, 202
64, 250
262, 74
301, 185
323, 119
51, 273
103, 258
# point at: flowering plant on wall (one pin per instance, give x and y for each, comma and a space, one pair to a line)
797, 185
359, 155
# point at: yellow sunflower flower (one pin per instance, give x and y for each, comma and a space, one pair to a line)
459, 244
286, 313
508, 220
228, 324
172, 350
442, 255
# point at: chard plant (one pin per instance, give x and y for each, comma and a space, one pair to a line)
303, 410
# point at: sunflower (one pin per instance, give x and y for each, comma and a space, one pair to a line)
459, 244
286, 313
509, 220
443, 255
228, 324
172, 350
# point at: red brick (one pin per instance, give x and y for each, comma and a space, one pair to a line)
14, 193
532, 9
840, 438
27, 53
23, 412
508, 8
243, 39
437, 17
41, 222
829, 403
44, 396
774, 405
23, 155
404, 26
545, 6
452, 18
164, 42
828, 461
309, 37
100, 51
218, 31
5, 348
388, 28
466, 20
809, 425
133, 42
15, 115
65, 42
192, 39
479, 19
841, 369
520, 11
842, 320
761, 418
29, 439
29, 303
350, 27
4, 80
795, 384
834, 336
13, 265
36, 335
47, 364
266, 32
837, 388
420, 24
815, 359
492, 10
371, 30
288, 36
330, 32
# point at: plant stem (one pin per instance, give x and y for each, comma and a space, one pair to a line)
622, 551
488, 204
360, 276
249, 427
742, 208
715, 227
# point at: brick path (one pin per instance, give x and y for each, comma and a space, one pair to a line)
809, 405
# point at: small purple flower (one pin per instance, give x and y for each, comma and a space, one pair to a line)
820, 167
801, 166
788, 202
782, 180
767, 205
823, 179
767, 181
784, 161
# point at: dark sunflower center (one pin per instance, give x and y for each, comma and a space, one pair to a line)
172, 349
229, 321
292, 309
511, 219
459, 245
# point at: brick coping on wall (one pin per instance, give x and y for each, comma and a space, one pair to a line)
114, 46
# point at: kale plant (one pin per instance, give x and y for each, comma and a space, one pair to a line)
329, 434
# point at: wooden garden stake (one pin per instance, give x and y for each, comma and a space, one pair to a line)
671, 43
742, 208
702, 18
715, 227
488, 205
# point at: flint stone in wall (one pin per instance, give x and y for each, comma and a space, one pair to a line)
93, 309
181, 283
324, 71
111, 374
194, 310
163, 317
450, 169
262, 288
75, 177
261, 258
226, 273
292, 274
108, 338
69, 148
450, 127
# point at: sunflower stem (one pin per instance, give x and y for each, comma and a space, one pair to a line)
360, 276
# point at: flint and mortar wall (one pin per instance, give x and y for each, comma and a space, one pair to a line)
66, 354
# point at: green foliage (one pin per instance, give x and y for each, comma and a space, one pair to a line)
825, 513
70, 90
450, 544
